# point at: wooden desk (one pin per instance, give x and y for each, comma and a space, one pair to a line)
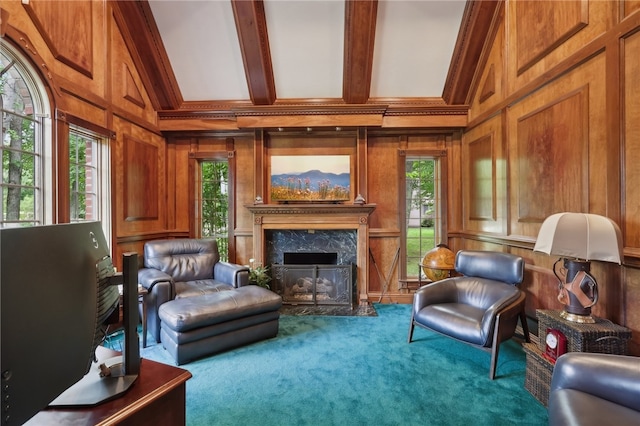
156, 398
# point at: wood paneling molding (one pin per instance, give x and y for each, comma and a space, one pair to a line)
476, 25
552, 158
140, 180
631, 140
141, 35
554, 23
482, 179
489, 86
67, 28
131, 90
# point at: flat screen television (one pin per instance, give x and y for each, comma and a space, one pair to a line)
58, 292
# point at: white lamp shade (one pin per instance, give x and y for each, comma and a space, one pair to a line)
580, 235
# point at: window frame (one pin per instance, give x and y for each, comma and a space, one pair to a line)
407, 276
66, 123
196, 160
44, 201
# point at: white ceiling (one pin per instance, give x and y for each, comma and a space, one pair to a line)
414, 42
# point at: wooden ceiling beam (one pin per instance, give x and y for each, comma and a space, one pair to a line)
251, 26
360, 34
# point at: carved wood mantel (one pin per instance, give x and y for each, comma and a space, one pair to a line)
316, 217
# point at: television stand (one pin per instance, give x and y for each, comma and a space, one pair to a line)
110, 377
156, 397
96, 387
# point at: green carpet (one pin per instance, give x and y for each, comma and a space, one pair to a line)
331, 370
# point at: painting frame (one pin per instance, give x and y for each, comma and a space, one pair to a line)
303, 178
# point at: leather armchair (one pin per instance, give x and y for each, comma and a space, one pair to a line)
481, 307
595, 389
178, 268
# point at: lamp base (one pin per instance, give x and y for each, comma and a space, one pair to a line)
581, 319
575, 309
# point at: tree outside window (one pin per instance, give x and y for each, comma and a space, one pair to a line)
20, 176
215, 204
421, 210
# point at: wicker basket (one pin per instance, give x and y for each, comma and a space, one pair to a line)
602, 337
538, 373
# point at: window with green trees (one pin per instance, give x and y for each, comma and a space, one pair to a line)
23, 108
214, 205
88, 176
422, 209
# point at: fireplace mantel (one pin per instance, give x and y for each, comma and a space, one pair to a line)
315, 208
316, 216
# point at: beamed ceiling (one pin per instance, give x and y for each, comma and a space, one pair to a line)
225, 56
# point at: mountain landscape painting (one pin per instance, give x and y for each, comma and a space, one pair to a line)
310, 178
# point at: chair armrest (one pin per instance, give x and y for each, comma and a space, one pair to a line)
231, 273
443, 291
611, 377
149, 277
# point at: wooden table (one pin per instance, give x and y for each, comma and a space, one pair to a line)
156, 398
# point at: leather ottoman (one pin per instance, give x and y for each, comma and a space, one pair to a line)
193, 327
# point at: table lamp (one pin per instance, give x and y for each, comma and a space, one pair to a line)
579, 238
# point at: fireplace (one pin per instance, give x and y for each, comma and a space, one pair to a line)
310, 258
316, 228
314, 277
314, 284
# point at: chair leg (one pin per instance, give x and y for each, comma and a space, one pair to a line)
495, 348
411, 327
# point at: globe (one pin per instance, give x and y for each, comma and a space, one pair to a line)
438, 262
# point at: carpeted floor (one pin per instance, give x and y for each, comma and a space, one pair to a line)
357, 370
330, 310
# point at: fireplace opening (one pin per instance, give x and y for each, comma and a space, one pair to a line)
310, 258
314, 284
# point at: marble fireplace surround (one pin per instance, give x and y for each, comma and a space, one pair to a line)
314, 217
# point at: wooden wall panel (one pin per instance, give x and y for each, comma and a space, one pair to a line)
554, 136
630, 6
484, 185
490, 89
128, 95
67, 28
631, 315
132, 147
245, 177
631, 137
551, 32
140, 179
382, 178
482, 179
553, 25
181, 178
549, 168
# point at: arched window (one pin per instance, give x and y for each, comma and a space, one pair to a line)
26, 168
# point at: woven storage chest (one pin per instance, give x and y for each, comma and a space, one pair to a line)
602, 337
537, 379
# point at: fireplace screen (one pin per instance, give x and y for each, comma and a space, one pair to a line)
314, 284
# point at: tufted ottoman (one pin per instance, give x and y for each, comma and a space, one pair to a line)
193, 327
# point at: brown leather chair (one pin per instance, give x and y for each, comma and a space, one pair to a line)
481, 307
